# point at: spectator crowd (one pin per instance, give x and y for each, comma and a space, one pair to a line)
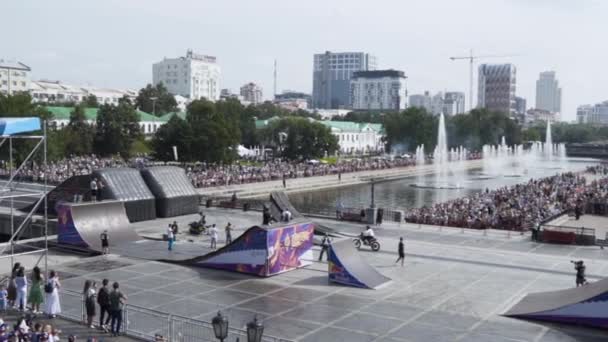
518, 207
208, 175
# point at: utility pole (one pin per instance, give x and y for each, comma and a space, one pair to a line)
471, 58
274, 95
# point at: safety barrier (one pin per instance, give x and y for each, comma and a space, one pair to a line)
565, 234
144, 323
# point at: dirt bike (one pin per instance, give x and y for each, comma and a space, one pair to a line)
196, 228
372, 242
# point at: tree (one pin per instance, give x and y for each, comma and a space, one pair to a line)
91, 101
176, 132
78, 134
298, 138
215, 136
156, 100
117, 128
407, 129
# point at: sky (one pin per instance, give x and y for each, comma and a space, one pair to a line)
113, 43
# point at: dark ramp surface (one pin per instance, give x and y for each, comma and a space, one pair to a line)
65, 192
281, 202
127, 185
174, 193
347, 267
88, 220
584, 305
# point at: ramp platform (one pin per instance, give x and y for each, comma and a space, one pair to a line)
585, 305
260, 250
347, 267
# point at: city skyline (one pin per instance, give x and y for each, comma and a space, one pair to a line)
118, 52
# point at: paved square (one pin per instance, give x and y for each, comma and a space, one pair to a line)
454, 287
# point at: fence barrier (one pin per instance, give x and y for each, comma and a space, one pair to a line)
144, 323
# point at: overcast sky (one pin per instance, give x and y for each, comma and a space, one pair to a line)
113, 43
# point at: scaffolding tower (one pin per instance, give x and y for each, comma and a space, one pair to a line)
17, 132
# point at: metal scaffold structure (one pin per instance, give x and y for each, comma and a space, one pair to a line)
19, 133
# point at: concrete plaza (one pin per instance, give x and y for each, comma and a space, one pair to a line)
454, 286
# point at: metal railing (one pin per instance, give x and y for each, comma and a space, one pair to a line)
567, 229
144, 323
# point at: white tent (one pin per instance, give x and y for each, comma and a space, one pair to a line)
245, 152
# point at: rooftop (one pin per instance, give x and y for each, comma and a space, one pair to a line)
63, 113
379, 74
5, 64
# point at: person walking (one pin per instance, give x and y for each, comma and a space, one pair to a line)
324, 246
213, 233
12, 288
51, 288
103, 299
21, 284
228, 230
170, 237
35, 297
401, 252
88, 293
117, 303
105, 243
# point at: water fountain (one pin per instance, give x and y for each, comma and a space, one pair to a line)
548, 148
441, 160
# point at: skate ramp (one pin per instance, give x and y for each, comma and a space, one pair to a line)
347, 267
127, 185
80, 224
65, 192
586, 305
174, 193
280, 202
261, 250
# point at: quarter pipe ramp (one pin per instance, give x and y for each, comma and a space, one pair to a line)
586, 305
347, 267
260, 250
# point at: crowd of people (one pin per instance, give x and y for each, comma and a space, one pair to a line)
29, 294
518, 207
208, 175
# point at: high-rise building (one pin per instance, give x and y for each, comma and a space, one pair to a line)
597, 114
378, 90
14, 77
331, 77
497, 87
193, 76
520, 105
422, 101
548, 92
453, 103
252, 93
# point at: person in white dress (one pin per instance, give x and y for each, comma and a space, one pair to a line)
21, 283
213, 233
51, 289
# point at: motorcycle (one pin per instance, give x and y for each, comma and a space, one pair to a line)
197, 228
372, 242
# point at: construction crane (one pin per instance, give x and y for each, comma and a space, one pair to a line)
472, 59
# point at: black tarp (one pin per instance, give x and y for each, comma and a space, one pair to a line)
127, 185
174, 193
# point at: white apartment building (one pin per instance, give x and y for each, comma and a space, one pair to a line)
252, 93
14, 77
378, 90
193, 76
55, 91
453, 103
332, 73
548, 92
597, 114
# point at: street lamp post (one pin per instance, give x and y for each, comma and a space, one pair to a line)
220, 326
255, 330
